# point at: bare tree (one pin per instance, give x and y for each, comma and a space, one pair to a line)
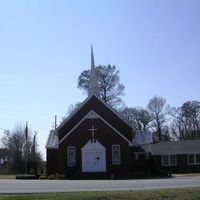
15, 142
158, 110
186, 120
191, 113
138, 118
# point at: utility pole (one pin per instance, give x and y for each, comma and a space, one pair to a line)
26, 148
34, 154
55, 122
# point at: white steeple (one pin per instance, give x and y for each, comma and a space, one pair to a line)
93, 85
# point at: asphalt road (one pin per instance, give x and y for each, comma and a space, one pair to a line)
43, 186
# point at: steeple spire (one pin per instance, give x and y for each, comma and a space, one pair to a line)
93, 85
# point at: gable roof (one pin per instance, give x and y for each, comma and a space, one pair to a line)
52, 141
86, 101
173, 147
93, 113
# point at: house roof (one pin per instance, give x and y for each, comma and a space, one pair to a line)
52, 141
173, 147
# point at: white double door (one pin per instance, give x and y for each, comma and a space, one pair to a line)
93, 160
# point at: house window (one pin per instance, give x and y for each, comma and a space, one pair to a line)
169, 160
198, 158
193, 159
165, 160
147, 156
136, 156
71, 155
1, 161
116, 158
172, 160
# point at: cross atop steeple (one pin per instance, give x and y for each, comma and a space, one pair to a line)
93, 85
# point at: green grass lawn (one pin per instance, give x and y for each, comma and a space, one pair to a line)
7, 176
165, 194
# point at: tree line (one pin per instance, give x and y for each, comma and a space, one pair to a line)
166, 122
21, 145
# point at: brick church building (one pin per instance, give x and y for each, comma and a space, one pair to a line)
95, 141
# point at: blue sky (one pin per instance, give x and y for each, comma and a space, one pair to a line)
45, 45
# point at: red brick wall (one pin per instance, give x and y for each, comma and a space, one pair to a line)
105, 135
52, 161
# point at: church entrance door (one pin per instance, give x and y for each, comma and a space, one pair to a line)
93, 157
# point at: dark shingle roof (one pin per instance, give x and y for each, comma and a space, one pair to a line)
173, 147
52, 141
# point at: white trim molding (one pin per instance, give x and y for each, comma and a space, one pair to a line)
169, 160
99, 117
137, 156
83, 103
118, 156
196, 161
71, 159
